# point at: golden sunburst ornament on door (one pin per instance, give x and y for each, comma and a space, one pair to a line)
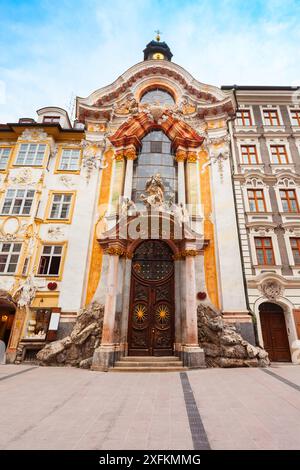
162, 314
140, 313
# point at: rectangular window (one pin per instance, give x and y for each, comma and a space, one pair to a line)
295, 246
50, 260
4, 156
69, 160
244, 117
289, 200
9, 257
155, 147
271, 117
279, 154
295, 115
51, 119
31, 154
256, 200
60, 208
249, 154
264, 250
18, 201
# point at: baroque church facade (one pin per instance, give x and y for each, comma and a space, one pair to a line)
135, 208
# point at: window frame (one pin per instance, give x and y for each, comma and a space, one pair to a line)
256, 200
51, 195
58, 168
3, 148
297, 239
297, 111
288, 199
248, 154
41, 165
264, 250
270, 118
241, 120
51, 119
278, 154
63, 245
10, 253
13, 202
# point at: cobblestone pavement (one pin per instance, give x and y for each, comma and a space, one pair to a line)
65, 408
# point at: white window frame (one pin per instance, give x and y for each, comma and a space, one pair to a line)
253, 183
2, 151
71, 150
9, 254
253, 142
286, 183
51, 255
36, 152
271, 108
13, 201
265, 232
290, 109
282, 142
61, 204
246, 108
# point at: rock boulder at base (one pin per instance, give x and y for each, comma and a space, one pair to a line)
76, 349
222, 345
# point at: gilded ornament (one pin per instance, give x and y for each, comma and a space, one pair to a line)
180, 155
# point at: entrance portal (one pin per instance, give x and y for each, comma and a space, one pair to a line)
274, 332
151, 314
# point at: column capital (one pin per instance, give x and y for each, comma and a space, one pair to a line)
192, 156
180, 155
119, 155
130, 153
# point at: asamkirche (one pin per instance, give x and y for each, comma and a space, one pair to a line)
120, 245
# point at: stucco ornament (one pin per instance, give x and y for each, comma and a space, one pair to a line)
34, 134
155, 189
25, 293
23, 177
271, 289
55, 233
67, 181
93, 156
127, 207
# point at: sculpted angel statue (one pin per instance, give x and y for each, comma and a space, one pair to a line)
155, 189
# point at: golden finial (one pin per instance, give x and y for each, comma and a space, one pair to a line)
158, 33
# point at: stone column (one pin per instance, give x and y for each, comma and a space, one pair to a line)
104, 356
130, 154
125, 309
193, 355
180, 158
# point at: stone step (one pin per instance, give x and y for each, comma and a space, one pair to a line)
149, 358
152, 363
148, 369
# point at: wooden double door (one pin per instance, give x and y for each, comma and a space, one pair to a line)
151, 315
274, 332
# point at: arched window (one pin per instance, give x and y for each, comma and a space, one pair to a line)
158, 96
155, 157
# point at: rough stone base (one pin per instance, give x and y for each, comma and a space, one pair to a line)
223, 345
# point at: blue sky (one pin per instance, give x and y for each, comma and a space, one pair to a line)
51, 49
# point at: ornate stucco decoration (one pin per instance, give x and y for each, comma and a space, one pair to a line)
12, 228
55, 233
67, 181
7, 283
34, 135
272, 289
93, 156
22, 177
26, 291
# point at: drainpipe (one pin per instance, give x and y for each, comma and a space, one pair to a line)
232, 119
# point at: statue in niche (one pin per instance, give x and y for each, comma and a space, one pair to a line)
155, 189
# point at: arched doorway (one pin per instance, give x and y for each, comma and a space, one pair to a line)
151, 312
274, 332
